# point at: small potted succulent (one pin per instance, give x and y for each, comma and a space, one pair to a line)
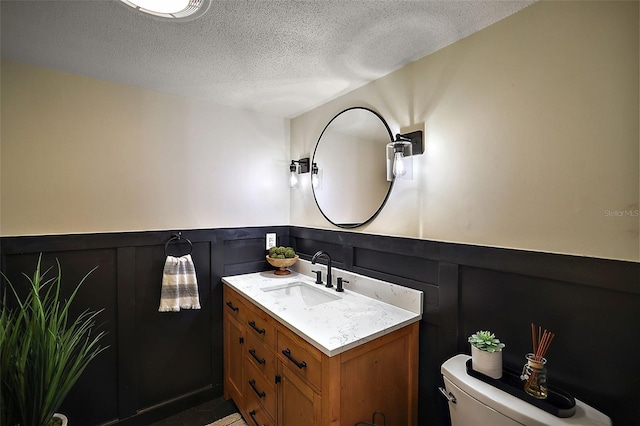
486, 354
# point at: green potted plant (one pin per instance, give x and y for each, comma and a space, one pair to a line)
486, 353
43, 350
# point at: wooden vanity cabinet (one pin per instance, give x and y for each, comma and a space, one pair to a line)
249, 366
234, 344
288, 382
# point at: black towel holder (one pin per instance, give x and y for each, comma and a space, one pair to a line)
177, 237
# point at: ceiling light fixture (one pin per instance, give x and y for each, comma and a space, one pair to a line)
173, 9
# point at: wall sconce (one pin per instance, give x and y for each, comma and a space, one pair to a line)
315, 178
301, 167
399, 153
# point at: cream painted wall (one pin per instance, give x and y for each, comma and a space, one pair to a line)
81, 155
531, 135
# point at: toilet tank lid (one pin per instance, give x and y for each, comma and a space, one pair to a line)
455, 370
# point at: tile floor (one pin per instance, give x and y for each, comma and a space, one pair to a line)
201, 415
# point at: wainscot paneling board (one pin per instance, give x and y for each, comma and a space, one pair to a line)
594, 327
96, 293
158, 363
466, 288
505, 290
172, 357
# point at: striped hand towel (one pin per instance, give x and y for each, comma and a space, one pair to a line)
179, 285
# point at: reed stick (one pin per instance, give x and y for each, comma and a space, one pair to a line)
541, 340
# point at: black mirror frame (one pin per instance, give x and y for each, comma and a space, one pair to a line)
382, 204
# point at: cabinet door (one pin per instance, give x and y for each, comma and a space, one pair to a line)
234, 343
298, 403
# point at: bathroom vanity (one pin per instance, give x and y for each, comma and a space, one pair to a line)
298, 353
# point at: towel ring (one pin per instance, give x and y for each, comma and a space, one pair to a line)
177, 237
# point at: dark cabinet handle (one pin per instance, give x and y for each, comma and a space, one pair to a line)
300, 364
253, 386
252, 413
233, 308
259, 330
253, 354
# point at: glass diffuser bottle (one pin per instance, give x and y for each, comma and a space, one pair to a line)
534, 374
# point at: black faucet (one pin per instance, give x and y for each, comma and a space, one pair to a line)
315, 258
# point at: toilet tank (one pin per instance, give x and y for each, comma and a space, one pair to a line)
478, 403
469, 411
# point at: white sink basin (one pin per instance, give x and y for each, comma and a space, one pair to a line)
301, 293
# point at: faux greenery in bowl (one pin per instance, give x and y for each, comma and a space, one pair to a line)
281, 258
43, 350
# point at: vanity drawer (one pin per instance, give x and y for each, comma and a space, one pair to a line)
301, 358
258, 325
261, 387
233, 305
257, 416
260, 356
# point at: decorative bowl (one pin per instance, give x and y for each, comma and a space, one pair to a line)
282, 264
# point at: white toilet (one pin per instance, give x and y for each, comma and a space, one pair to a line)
472, 402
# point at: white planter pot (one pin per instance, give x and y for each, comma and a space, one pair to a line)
487, 363
62, 418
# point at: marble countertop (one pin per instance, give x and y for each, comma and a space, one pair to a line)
366, 310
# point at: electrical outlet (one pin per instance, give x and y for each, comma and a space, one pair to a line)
271, 240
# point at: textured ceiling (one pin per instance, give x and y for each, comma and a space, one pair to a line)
278, 57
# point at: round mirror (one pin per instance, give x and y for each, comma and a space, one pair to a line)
350, 155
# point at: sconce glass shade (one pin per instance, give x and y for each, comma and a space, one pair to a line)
293, 179
315, 179
399, 160
297, 167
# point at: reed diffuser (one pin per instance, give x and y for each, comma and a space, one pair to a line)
534, 372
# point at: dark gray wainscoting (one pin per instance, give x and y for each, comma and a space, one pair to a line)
161, 363
593, 306
158, 363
